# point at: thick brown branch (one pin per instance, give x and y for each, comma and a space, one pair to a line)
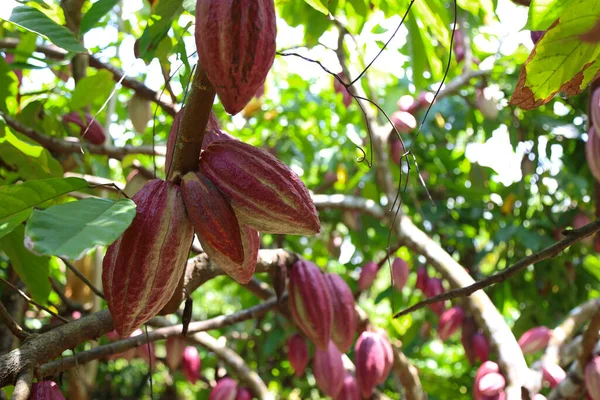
23, 384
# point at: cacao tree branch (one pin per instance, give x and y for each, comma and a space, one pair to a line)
408, 375
75, 146
23, 384
11, 324
119, 76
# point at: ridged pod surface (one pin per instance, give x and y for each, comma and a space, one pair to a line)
345, 319
142, 268
310, 302
45, 390
349, 389
297, 352
592, 153
95, 133
226, 389
236, 46
264, 192
388, 356
232, 246
328, 369
370, 362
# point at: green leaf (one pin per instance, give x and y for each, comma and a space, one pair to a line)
561, 61
17, 201
190, 6
30, 160
158, 26
36, 21
32, 269
542, 13
318, 5
92, 87
98, 10
8, 86
433, 21
69, 230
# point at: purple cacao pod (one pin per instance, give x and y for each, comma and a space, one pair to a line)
265, 194
433, 288
339, 88
400, 273
592, 153
175, 347
349, 389
236, 47
485, 368
404, 121
553, 374
328, 369
422, 278
243, 394
469, 330
297, 352
535, 339
450, 321
95, 133
191, 364
232, 246
368, 273
345, 320
396, 149
214, 135
226, 389
370, 362
536, 36
592, 378
310, 302
388, 356
595, 110
491, 384
45, 390
143, 267
481, 347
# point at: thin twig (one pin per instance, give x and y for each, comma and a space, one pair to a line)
573, 237
83, 278
11, 324
31, 301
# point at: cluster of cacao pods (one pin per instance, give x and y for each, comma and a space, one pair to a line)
489, 383
228, 389
592, 147
368, 274
373, 358
89, 129
236, 47
45, 390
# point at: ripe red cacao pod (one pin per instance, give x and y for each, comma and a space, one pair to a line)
243, 394
535, 339
214, 135
592, 378
265, 194
422, 278
345, 319
175, 347
388, 356
45, 390
297, 352
579, 221
140, 112
592, 153
310, 302
553, 374
404, 121
396, 149
433, 288
142, 268
328, 369
95, 133
485, 368
400, 273
450, 321
236, 46
370, 362
349, 389
191, 364
231, 245
595, 110
368, 273
226, 389
491, 384
481, 347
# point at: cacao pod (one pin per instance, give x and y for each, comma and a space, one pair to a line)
135, 182
425, 99
175, 347
595, 110
458, 45
396, 149
422, 278
328, 369
95, 132
388, 356
481, 347
265, 194
140, 112
233, 247
370, 362
400, 273
345, 319
536, 36
297, 352
592, 378
142, 268
469, 330
433, 288
535, 339
450, 321
485, 368
340, 88
580, 221
243, 394
553, 374
191, 364
592, 153
213, 135
349, 389
368, 273
404, 121
310, 302
406, 103
45, 390
236, 47
486, 103
491, 384
226, 389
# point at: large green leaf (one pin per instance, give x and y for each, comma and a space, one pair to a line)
8, 86
17, 201
543, 13
92, 87
29, 160
98, 10
561, 61
158, 26
36, 21
69, 230
318, 5
32, 269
